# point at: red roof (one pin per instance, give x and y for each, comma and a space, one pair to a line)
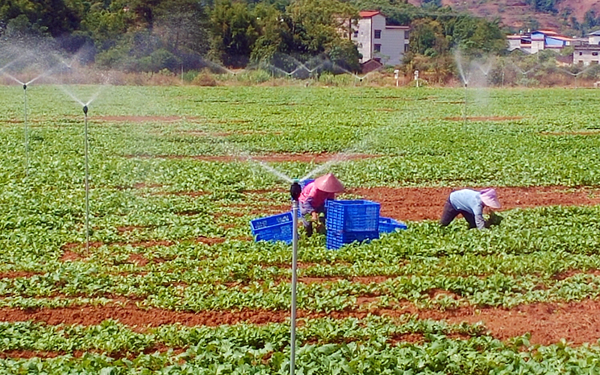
369, 13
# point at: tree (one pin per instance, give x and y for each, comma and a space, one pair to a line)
427, 38
233, 29
35, 17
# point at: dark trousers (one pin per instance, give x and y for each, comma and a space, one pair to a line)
450, 213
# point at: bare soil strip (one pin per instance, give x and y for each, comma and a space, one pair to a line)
484, 118
426, 203
548, 323
141, 119
270, 158
574, 132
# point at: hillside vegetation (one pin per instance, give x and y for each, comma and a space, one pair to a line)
570, 17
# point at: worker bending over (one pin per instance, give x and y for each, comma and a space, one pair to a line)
312, 201
469, 203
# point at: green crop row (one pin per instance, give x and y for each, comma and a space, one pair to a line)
438, 354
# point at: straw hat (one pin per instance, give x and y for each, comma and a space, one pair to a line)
489, 198
329, 184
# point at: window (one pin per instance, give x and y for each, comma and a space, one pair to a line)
377, 47
594, 53
580, 53
356, 33
406, 36
377, 34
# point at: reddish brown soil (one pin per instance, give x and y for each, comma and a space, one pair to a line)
70, 256
15, 274
427, 203
130, 228
326, 279
574, 132
138, 259
139, 119
274, 158
185, 193
210, 240
577, 322
484, 118
200, 133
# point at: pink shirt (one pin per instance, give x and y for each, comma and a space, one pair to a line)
313, 196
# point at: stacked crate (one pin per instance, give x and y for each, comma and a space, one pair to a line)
351, 220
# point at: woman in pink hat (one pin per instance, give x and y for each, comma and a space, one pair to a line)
469, 203
313, 197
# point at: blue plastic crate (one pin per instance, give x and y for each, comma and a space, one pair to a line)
273, 228
352, 216
337, 239
388, 225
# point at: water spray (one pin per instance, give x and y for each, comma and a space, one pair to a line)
87, 184
295, 190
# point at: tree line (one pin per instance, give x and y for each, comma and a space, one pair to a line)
152, 35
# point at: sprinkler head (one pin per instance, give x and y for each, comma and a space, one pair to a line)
85, 109
24, 86
295, 190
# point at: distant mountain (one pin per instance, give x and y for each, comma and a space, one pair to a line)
566, 16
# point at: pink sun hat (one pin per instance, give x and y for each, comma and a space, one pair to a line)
329, 184
489, 198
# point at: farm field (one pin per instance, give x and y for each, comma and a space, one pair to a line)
172, 281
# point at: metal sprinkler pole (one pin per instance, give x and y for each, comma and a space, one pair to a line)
465, 111
26, 130
295, 191
87, 184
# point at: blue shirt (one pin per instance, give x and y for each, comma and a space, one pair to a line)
470, 201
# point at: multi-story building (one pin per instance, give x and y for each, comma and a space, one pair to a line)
378, 41
538, 40
588, 52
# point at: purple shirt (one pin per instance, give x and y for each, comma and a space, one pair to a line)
470, 201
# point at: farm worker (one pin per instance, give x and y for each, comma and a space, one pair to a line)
313, 197
470, 204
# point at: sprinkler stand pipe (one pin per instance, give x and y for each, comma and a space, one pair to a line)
26, 130
295, 191
465, 109
87, 183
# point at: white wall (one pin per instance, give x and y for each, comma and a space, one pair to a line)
391, 40
363, 39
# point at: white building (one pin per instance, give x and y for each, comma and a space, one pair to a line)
378, 41
588, 52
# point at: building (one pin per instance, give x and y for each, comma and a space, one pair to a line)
376, 40
539, 40
588, 51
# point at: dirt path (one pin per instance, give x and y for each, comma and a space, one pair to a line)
306, 157
426, 203
548, 323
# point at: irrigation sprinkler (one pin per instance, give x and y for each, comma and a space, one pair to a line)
465, 108
295, 191
25, 112
87, 178
26, 130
